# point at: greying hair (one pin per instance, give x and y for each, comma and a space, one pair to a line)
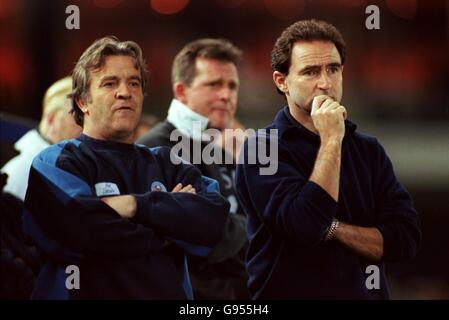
94, 58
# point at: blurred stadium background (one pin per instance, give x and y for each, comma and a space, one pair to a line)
396, 82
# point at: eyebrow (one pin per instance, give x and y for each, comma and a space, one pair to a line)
107, 78
115, 78
220, 79
135, 78
316, 66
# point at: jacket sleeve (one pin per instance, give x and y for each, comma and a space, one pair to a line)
234, 235
198, 219
397, 219
64, 208
233, 240
286, 202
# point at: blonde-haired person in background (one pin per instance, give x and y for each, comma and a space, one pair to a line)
56, 125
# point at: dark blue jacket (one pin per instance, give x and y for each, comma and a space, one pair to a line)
221, 275
288, 216
118, 258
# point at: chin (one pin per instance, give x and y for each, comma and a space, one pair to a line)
124, 130
220, 125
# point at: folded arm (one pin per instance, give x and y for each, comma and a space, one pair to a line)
63, 207
366, 242
396, 235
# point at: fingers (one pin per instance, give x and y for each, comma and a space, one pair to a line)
188, 188
326, 103
318, 101
177, 188
343, 111
329, 104
335, 107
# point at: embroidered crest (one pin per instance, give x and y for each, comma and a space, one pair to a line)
158, 186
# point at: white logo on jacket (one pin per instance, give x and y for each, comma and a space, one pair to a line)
106, 189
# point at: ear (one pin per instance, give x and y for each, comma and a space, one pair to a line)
179, 90
51, 117
280, 81
82, 105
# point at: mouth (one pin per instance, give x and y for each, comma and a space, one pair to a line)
220, 109
124, 108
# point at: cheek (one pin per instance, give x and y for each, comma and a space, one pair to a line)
138, 95
201, 103
234, 98
64, 122
233, 108
301, 88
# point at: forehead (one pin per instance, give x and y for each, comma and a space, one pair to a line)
210, 68
307, 53
119, 66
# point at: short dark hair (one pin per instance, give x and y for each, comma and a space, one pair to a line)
306, 30
184, 70
94, 58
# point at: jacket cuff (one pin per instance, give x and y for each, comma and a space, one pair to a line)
389, 236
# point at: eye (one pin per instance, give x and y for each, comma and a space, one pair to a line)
135, 84
310, 72
233, 86
108, 84
333, 69
214, 84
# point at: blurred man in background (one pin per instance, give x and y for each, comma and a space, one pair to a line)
56, 125
205, 86
20, 261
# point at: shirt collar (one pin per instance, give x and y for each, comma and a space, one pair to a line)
185, 120
31, 142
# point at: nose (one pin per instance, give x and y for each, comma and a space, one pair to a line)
225, 94
324, 82
123, 92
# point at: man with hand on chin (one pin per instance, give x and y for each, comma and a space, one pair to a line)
334, 206
101, 203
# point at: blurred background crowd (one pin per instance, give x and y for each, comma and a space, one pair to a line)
396, 82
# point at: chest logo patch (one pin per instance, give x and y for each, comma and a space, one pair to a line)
106, 189
158, 186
